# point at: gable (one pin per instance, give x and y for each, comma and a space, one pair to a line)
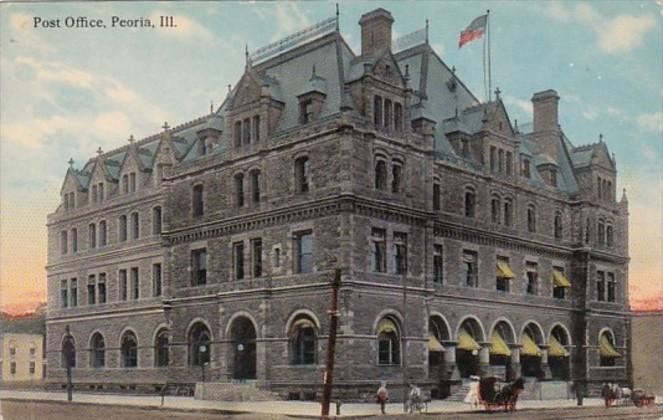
499, 120
248, 91
386, 68
70, 182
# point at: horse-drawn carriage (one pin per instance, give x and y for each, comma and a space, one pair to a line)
614, 395
495, 395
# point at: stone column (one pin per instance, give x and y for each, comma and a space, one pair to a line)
516, 369
451, 369
544, 362
484, 359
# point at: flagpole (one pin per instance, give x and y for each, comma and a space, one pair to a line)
490, 87
485, 90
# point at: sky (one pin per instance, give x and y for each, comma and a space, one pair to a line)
64, 92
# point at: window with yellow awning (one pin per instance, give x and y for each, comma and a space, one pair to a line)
504, 271
387, 326
606, 348
434, 344
529, 347
498, 346
466, 341
556, 349
560, 280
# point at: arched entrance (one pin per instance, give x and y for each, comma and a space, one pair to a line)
467, 349
243, 341
500, 353
558, 355
437, 369
530, 352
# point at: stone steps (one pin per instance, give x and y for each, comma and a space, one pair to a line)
459, 394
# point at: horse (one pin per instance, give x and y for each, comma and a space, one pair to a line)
509, 394
613, 392
493, 394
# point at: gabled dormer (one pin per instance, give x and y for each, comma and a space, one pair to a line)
312, 98
100, 180
596, 171
209, 135
130, 170
73, 190
254, 109
164, 159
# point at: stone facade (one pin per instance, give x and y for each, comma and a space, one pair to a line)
21, 358
647, 342
383, 165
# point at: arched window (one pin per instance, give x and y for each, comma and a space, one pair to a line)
199, 345
303, 341
256, 128
531, 218
495, 209
609, 235
68, 352
607, 352
470, 202
161, 349
135, 225
123, 228
239, 189
156, 220
103, 233
197, 200
255, 186
558, 226
380, 175
508, 212
389, 350
92, 236
601, 232
302, 174
246, 131
129, 350
98, 351
396, 177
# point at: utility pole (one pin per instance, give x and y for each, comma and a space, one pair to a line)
404, 344
68, 360
331, 346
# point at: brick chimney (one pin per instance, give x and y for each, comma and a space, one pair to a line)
545, 105
375, 31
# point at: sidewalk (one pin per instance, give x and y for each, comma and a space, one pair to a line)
292, 408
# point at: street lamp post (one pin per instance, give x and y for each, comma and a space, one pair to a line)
68, 356
203, 350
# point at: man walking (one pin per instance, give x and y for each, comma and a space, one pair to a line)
382, 396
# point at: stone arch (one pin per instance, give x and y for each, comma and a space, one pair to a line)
193, 322
610, 332
297, 313
472, 319
442, 321
158, 329
239, 314
562, 327
124, 331
539, 336
502, 321
383, 314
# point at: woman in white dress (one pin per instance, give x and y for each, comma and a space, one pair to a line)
472, 396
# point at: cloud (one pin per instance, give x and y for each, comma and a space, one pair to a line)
521, 104
187, 28
57, 72
651, 122
620, 34
291, 18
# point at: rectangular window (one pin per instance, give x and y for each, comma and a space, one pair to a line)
132, 181
377, 110
600, 286
502, 283
493, 159
379, 251
74, 240
101, 192
611, 287
199, 267
256, 253
256, 128
531, 271
255, 187
396, 175
135, 283
64, 294
91, 290
387, 113
125, 183
101, 288
500, 163
73, 292
436, 196
135, 225
400, 253
438, 264
156, 220
246, 131
32, 368
197, 200
122, 280
303, 252
238, 258
63, 242
558, 291
305, 111
509, 163
123, 228
156, 279
398, 116
94, 193
277, 257
12, 368
469, 269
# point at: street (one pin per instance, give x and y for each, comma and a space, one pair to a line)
29, 410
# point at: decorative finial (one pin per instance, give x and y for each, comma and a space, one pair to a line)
497, 93
71, 163
515, 125
99, 151
131, 139
453, 70
313, 72
165, 126
407, 71
337, 18
426, 31
230, 87
600, 137
246, 56
211, 107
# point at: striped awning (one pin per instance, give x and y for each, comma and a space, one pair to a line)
560, 280
529, 347
606, 348
556, 349
498, 346
434, 344
466, 341
504, 271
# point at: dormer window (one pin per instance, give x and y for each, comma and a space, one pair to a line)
238, 133
553, 177
125, 183
377, 110
387, 113
526, 169
246, 131
256, 128
202, 147
306, 111
465, 148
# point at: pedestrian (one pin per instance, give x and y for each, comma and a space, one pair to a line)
579, 391
414, 398
382, 396
472, 396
